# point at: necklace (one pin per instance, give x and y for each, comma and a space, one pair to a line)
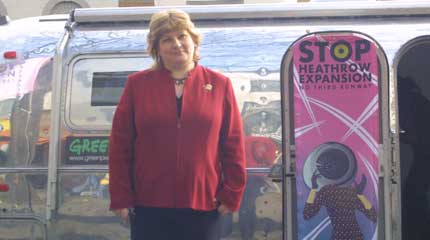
180, 81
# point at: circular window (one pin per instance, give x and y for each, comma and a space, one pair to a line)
64, 7
333, 163
3, 10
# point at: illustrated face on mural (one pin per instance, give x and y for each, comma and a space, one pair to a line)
335, 163
332, 164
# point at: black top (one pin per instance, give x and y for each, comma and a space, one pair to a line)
179, 105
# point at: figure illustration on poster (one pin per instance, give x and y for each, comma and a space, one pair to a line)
331, 169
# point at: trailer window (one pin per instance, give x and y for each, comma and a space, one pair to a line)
95, 87
107, 87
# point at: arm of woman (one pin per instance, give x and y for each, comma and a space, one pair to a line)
232, 153
363, 205
313, 204
121, 151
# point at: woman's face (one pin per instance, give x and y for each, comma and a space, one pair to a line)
176, 49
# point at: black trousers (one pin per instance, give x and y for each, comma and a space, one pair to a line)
151, 223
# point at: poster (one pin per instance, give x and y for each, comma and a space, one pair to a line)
337, 136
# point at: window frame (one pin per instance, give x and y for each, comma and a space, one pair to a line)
68, 122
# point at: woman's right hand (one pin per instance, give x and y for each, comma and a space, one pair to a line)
314, 179
122, 213
223, 209
359, 188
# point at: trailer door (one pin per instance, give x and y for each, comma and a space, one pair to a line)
91, 90
413, 94
336, 92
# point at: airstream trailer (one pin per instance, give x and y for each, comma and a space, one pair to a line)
339, 90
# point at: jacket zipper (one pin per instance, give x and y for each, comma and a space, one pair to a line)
178, 142
178, 162
178, 148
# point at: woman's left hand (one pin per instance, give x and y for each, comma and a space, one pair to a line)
223, 209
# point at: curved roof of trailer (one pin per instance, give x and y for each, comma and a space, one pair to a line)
259, 11
250, 45
32, 37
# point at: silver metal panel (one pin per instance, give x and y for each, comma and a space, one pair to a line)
82, 212
23, 206
251, 44
55, 125
255, 11
21, 226
288, 150
385, 155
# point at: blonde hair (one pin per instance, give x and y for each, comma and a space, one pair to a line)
167, 21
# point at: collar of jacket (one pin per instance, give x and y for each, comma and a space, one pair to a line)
166, 73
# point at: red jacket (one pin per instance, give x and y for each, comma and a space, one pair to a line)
177, 163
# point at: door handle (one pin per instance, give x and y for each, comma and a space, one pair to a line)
276, 172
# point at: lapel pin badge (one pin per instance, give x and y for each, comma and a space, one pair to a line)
208, 87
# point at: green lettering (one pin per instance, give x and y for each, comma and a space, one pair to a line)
75, 147
95, 146
104, 145
86, 145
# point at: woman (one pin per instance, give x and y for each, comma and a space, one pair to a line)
176, 152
